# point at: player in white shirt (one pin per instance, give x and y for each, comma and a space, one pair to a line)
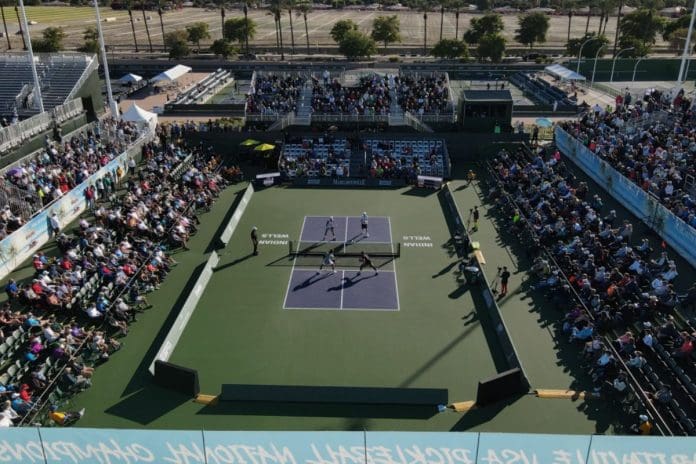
363, 224
329, 260
330, 227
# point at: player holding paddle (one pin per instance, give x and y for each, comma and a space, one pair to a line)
365, 261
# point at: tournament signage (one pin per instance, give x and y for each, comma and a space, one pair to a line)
347, 182
110, 446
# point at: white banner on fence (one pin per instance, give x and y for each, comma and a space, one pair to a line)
24, 242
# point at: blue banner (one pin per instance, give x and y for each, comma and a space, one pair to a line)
111, 446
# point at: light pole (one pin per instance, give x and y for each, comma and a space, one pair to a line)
613, 63
594, 68
635, 68
102, 51
580, 53
687, 47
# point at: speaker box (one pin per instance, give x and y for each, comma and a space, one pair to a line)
177, 378
501, 386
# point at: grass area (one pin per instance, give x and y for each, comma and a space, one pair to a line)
226, 92
55, 15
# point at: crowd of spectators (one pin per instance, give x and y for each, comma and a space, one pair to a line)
325, 156
58, 168
606, 281
423, 94
58, 326
274, 94
370, 97
651, 141
404, 159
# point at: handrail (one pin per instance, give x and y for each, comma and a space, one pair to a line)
607, 341
91, 66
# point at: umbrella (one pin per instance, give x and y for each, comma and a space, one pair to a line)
264, 147
544, 122
249, 143
15, 172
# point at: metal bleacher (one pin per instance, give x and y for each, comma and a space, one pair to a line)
59, 76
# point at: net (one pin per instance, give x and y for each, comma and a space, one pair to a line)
345, 249
347, 254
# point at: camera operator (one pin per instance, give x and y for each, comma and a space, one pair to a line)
504, 278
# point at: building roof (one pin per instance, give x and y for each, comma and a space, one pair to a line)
487, 95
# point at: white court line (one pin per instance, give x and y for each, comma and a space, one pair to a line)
391, 310
287, 290
343, 278
313, 269
396, 280
345, 233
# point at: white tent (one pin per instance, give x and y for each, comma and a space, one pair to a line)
130, 78
563, 73
140, 116
171, 74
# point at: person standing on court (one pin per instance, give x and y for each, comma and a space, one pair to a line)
255, 239
475, 214
504, 278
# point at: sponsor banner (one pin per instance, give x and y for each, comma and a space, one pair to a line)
347, 182
123, 446
24, 242
678, 234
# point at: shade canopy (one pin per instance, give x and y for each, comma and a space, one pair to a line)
544, 122
249, 143
140, 116
264, 147
563, 73
171, 74
130, 78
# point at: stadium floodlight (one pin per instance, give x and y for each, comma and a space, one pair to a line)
583, 46
27, 41
594, 68
613, 62
635, 68
687, 48
102, 51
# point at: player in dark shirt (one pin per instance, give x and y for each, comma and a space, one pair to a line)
255, 239
365, 261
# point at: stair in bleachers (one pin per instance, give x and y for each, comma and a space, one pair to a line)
303, 116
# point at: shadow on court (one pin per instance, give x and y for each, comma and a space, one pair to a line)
312, 280
233, 263
481, 415
260, 408
351, 281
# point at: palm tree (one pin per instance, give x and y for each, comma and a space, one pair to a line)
618, 26
589, 14
302, 9
21, 32
276, 9
289, 5
424, 7
457, 5
130, 15
570, 20
4, 24
442, 15
147, 28
160, 13
246, 27
222, 19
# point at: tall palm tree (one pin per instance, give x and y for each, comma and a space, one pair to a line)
589, 14
21, 32
290, 4
222, 20
570, 20
618, 26
301, 10
160, 13
276, 9
246, 27
457, 5
130, 15
442, 15
4, 24
424, 7
147, 28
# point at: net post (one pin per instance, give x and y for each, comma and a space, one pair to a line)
289, 247
398, 249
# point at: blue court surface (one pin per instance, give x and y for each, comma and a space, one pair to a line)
345, 289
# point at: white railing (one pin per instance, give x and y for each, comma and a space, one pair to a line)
14, 135
357, 118
416, 123
92, 66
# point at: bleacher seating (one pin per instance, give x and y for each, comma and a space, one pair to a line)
323, 156
203, 90
541, 91
419, 157
58, 75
